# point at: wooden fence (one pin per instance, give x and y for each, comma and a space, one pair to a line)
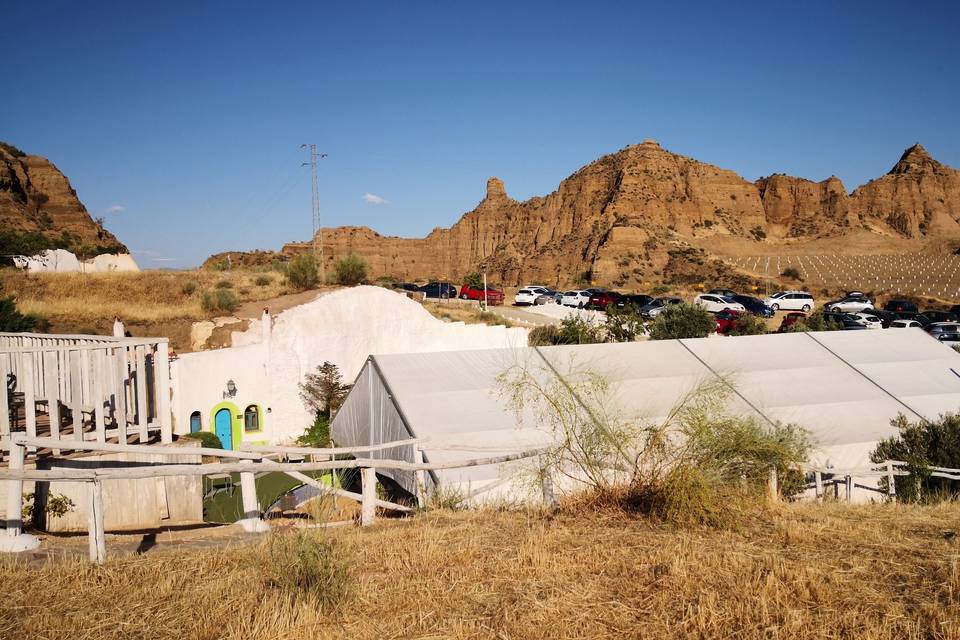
77, 388
247, 463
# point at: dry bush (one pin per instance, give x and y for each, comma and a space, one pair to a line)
306, 565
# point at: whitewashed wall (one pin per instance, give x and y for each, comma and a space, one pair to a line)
342, 327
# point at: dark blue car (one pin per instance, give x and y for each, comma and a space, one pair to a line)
754, 306
439, 290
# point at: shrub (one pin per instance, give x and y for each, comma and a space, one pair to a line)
814, 322
758, 233
350, 270
306, 564
189, 288
224, 284
263, 281
12, 150
474, 280
682, 321
748, 325
623, 325
575, 330
207, 439
660, 289
543, 336
923, 445
58, 505
11, 320
791, 272
302, 272
317, 434
219, 300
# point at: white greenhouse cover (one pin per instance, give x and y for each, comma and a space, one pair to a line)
844, 387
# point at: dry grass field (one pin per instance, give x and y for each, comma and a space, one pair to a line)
800, 571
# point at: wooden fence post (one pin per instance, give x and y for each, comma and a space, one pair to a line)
849, 483
96, 540
549, 497
16, 539
421, 478
368, 506
891, 483
818, 485
773, 493
161, 376
251, 521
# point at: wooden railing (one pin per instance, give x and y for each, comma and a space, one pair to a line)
77, 388
248, 462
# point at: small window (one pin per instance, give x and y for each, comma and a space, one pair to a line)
195, 424
251, 419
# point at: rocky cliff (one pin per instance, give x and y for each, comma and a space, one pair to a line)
625, 217
40, 209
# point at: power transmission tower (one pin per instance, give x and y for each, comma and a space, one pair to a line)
317, 230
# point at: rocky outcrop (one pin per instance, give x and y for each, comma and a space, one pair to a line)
621, 218
36, 197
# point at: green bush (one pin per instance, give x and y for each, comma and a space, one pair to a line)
575, 330
12, 150
623, 325
923, 445
350, 270
306, 565
791, 272
317, 434
748, 325
11, 320
220, 300
224, 284
189, 288
542, 336
682, 320
208, 439
814, 322
474, 280
302, 272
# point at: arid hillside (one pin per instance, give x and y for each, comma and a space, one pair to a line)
625, 218
39, 209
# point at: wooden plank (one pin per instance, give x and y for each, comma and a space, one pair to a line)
15, 489
99, 375
344, 493
143, 412
4, 398
818, 484
51, 370
75, 395
161, 376
368, 503
29, 395
120, 399
95, 519
320, 451
147, 449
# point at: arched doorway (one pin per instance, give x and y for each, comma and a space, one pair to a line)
195, 423
223, 427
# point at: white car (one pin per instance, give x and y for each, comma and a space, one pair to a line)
790, 301
716, 303
905, 324
850, 305
575, 298
528, 295
868, 319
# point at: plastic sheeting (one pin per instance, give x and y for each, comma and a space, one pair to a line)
843, 387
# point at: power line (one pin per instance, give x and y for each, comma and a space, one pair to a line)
317, 237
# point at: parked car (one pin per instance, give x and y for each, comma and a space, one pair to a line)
726, 319
845, 320
940, 316
602, 299
790, 301
439, 290
636, 300
494, 296
944, 331
905, 324
528, 295
548, 297
754, 306
715, 303
576, 298
901, 306
406, 286
868, 319
791, 319
850, 304
655, 307
723, 293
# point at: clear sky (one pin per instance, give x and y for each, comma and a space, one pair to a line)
180, 122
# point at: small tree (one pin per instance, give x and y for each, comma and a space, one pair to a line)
923, 445
682, 321
474, 280
350, 270
814, 322
323, 391
302, 272
12, 320
623, 325
748, 325
575, 330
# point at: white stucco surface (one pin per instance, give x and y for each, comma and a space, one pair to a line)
343, 327
63, 261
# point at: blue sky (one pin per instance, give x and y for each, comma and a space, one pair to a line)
188, 116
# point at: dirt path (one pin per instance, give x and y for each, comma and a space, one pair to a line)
254, 308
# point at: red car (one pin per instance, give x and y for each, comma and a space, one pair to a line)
726, 319
494, 296
600, 300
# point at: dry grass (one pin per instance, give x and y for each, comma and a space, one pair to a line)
469, 313
804, 571
147, 296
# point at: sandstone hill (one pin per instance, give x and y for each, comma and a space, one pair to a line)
39, 209
645, 214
